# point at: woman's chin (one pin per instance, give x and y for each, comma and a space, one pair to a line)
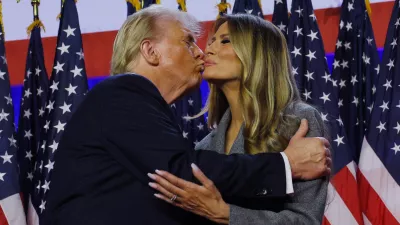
207, 76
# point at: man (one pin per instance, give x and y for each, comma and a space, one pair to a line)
124, 129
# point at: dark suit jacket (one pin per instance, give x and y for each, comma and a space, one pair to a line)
125, 129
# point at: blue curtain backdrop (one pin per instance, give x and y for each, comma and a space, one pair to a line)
16, 90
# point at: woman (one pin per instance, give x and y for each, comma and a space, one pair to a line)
255, 103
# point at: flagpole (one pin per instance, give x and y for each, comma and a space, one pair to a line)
35, 4
36, 21
182, 5
1, 16
223, 8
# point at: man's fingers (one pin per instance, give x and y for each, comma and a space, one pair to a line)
327, 172
325, 142
328, 162
165, 186
327, 152
207, 183
302, 131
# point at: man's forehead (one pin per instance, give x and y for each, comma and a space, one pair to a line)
176, 28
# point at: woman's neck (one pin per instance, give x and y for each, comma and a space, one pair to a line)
231, 92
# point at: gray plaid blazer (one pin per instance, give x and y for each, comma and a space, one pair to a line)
306, 206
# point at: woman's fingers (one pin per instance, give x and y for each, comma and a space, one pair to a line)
176, 181
207, 183
165, 186
175, 203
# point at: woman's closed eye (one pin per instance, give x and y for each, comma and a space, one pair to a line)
225, 41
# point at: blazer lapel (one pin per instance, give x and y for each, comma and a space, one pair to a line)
218, 140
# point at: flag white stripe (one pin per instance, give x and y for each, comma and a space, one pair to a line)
336, 211
366, 220
352, 168
13, 210
380, 179
33, 218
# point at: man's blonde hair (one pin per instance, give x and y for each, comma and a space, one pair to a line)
142, 25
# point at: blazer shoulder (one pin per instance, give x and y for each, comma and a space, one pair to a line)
313, 116
301, 109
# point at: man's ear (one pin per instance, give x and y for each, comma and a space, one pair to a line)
149, 52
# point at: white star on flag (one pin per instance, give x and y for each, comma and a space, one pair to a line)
77, 71
59, 67
70, 31
6, 158
63, 48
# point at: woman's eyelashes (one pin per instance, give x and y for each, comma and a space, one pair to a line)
225, 41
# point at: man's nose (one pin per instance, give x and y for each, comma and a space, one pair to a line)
198, 53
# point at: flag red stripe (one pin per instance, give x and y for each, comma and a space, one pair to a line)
372, 205
3, 219
325, 221
346, 186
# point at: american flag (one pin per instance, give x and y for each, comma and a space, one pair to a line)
379, 166
194, 130
11, 208
318, 88
182, 5
68, 86
280, 17
132, 6
355, 67
32, 112
147, 3
248, 6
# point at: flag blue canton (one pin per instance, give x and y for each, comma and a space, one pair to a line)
130, 8
384, 129
8, 145
355, 68
247, 6
193, 130
313, 79
32, 112
68, 86
147, 3
280, 17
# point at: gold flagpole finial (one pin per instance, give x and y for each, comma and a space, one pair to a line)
368, 6
36, 21
35, 4
1, 17
223, 7
136, 3
259, 3
182, 4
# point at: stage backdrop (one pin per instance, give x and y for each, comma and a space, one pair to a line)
99, 27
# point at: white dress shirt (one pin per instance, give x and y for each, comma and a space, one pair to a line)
288, 170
